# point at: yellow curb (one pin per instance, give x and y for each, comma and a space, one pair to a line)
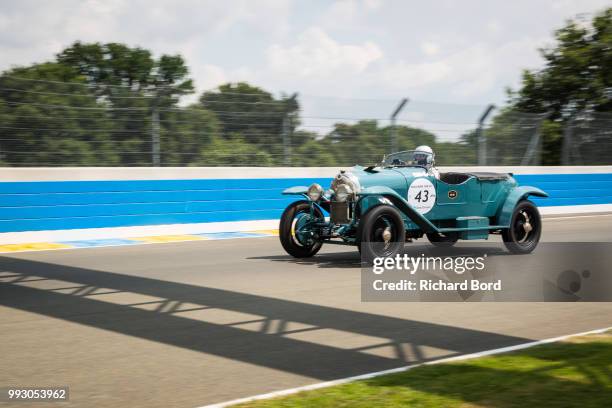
168, 238
32, 246
270, 232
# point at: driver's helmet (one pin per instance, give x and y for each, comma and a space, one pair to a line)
423, 156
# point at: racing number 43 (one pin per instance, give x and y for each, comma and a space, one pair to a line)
420, 198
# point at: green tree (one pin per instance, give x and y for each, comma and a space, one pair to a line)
410, 137
576, 78
46, 122
359, 143
577, 73
254, 114
134, 84
121, 73
93, 106
188, 135
511, 136
366, 143
314, 153
233, 151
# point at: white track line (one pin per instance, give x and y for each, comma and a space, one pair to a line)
340, 381
545, 218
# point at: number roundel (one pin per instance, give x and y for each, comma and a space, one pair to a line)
422, 195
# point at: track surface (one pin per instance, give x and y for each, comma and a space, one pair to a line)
194, 323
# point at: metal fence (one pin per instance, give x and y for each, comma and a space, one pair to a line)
587, 139
61, 124
514, 138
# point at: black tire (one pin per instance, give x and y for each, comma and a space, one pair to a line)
442, 241
370, 233
517, 239
286, 234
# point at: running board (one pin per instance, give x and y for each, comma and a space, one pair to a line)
487, 227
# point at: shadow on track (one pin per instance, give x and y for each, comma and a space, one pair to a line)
349, 259
352, 257
270, 344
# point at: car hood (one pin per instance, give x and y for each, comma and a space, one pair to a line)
395, 178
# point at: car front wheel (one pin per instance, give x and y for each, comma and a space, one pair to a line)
525, 228
381, 233
293, 230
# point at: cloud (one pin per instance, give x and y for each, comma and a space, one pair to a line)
372, 4
570, 8
161, 26
405, 75
466, 52
210, 76
316, 54
346, 14
430, 48
462, 73
494, 27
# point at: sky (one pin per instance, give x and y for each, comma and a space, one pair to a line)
348, 57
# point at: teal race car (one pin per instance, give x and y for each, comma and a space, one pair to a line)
379, 208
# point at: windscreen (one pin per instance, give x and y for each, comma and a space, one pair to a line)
408, 158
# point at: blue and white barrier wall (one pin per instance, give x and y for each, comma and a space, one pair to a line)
219, 199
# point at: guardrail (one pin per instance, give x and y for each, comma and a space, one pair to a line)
63, 198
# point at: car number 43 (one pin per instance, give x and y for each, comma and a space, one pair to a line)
422, 195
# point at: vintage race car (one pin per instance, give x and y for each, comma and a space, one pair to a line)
379, 208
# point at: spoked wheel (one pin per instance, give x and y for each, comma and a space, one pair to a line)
293, 230
442, 241
381, 233
525, 229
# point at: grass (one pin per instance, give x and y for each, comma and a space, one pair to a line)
573, 373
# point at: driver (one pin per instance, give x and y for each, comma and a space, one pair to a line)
424, 156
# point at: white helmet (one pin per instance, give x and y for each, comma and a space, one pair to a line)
424, 156
424, 149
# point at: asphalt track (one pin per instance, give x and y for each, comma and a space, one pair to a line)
193, 323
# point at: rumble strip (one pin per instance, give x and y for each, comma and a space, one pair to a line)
157, 239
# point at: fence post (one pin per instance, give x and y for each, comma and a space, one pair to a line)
393, 133
567, 142
286, 133
538, 160
155, 142
533, 154
482, 140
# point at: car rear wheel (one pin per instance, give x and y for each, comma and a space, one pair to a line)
381, 233
525, 228
442, 241
294, 239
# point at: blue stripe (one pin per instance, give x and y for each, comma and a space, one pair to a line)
30, 206
21, 187
159, 208
134, 220
127, 197
99, 242
232, 235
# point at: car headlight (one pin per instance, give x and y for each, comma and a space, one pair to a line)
345, 185
343, 192
315, 192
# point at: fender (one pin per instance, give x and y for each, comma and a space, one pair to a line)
323, 203
297, 190
401, 204
517, 194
